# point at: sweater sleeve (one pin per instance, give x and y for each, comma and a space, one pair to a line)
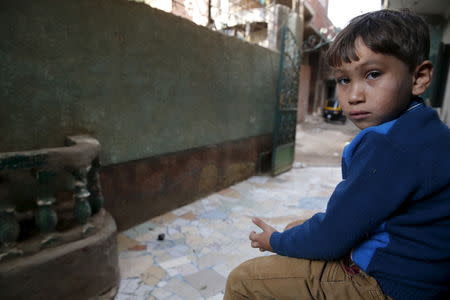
379, 179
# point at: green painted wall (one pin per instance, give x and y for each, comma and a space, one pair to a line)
142, 81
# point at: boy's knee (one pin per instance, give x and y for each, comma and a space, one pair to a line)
236, 279
237, 275
233, 289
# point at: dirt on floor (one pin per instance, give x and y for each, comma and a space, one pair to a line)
320, 143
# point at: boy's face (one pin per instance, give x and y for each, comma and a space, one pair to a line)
375, 89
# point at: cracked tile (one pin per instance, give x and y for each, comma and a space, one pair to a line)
182, 289
129, 286
124, 242
153, 275
134, 266
175, 262
161, 293
143, 291
207, 281
210, 259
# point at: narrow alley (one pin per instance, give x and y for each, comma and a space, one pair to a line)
137, 135
189, 252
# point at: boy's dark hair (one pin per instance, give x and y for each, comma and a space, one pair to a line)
402, 34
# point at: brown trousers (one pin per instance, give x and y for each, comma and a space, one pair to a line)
283, 278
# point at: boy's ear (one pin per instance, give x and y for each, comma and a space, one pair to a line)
422, 77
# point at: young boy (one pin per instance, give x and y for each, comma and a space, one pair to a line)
386, 230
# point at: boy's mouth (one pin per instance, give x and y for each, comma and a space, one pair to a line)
356, 115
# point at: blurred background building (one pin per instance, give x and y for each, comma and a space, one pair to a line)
437, 14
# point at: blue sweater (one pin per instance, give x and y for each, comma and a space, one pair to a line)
391, 211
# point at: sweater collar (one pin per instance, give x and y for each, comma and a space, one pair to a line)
416, 102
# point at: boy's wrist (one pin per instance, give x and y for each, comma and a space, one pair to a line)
274, 241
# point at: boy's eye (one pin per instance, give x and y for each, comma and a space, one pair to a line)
373, 74
343, 80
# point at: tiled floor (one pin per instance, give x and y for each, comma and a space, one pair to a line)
205, 240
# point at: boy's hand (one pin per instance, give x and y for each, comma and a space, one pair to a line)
261, 240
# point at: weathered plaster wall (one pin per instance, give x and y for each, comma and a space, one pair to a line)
139, 190
141, 81
304, 85
446, 35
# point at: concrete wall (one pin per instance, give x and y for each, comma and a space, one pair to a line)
304, 86
141, 81
446, 35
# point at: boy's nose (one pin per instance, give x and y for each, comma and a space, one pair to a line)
356, 94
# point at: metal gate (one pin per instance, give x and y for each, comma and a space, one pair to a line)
283, 153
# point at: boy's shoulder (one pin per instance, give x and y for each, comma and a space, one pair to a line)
417, 134
419, 126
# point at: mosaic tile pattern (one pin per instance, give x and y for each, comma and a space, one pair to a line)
205, 240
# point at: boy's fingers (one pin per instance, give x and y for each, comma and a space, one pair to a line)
254, 236
260, 223
255, 244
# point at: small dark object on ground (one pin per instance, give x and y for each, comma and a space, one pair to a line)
161, 237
